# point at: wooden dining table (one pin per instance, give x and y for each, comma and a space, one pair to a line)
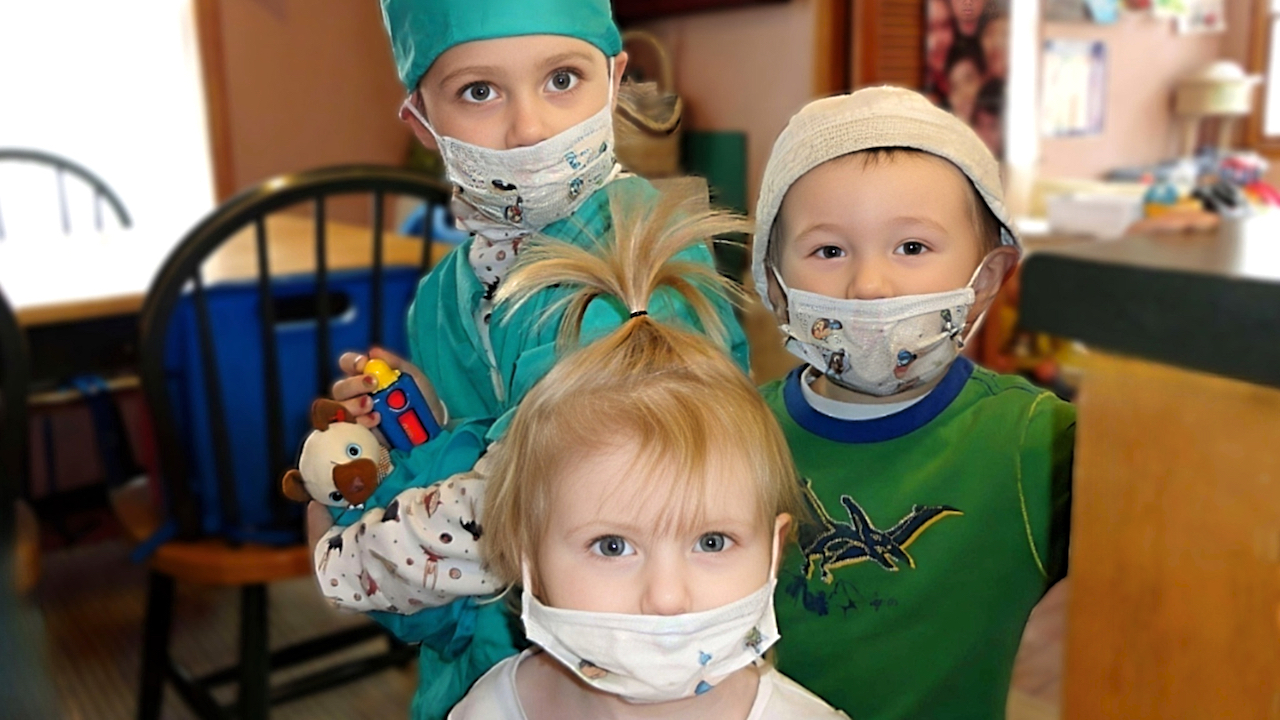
78, 297
79, 278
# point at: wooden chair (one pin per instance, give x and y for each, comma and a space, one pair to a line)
215, 331
102, 193
17, 532
28, 687
54, 505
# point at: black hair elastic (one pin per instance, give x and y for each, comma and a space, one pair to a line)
638, 313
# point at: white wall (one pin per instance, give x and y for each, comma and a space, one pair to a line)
116, 88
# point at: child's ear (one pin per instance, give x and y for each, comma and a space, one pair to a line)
995, 268
619, 67
419, 130
423, 136
781, 531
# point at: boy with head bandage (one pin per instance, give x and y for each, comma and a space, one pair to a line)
941, 490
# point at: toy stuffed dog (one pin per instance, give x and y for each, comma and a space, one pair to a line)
341, 463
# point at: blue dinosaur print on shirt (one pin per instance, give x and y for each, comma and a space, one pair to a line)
828, 544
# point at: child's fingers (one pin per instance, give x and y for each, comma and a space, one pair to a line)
353, 388
352, 363
393, 360
424, 384
361, 410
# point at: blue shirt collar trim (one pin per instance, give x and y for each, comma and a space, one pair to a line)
882, 429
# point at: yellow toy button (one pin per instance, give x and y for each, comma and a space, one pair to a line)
380, 370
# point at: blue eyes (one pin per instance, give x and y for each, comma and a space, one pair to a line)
354, 451
477, 92
562, 80
482, 92
612, 546
712, 543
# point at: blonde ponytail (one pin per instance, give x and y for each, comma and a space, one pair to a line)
667, 394
640, 261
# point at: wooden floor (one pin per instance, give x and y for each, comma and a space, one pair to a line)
93, 600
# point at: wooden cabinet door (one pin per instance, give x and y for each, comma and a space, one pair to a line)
888, 43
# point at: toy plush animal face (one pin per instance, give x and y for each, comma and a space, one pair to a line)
341, 463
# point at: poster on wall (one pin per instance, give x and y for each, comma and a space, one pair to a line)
1203, 16
1065, 11
966, 52
1169, 8
1073, 90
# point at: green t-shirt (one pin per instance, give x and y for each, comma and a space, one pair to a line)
935, 531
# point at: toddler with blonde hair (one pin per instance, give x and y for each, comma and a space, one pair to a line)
640, 497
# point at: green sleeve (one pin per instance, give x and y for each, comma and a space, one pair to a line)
1064, 444
446, 673
1047, 451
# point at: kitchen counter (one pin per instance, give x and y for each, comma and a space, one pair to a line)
1174, 611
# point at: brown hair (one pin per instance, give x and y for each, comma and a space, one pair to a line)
673, 392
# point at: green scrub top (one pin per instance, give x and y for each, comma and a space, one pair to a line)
445, 343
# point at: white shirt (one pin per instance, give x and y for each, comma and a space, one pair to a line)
778, 697
841, 410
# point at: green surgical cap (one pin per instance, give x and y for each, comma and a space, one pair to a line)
421, 30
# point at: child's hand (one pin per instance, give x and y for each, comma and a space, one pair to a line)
353, 390
318, 522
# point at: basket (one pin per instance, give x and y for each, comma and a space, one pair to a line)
649, 114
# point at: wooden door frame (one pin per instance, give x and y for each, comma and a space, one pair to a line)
1259, 41
213, 70
833, 46
866, 47
871, 28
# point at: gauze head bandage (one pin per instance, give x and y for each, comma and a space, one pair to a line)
876, 117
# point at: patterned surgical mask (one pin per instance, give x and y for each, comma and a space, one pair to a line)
878, 347
505, 194
655, 658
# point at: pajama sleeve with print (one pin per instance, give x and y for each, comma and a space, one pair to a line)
421, 550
